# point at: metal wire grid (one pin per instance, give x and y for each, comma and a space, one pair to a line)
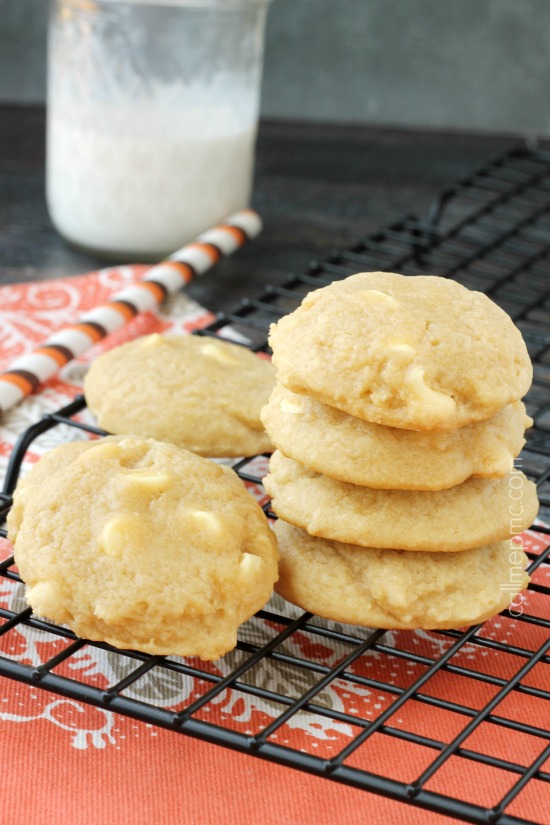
489, 232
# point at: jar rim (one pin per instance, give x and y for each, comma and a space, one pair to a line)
222, 4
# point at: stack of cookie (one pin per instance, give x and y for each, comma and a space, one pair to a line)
397, 417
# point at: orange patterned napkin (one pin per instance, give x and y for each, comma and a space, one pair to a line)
66, 762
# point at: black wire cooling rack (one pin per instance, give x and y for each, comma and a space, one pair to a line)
490, 232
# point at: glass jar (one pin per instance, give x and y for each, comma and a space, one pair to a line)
152, 118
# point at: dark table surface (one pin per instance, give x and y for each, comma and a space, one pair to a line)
317, 188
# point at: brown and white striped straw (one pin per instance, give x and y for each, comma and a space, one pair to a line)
166, 278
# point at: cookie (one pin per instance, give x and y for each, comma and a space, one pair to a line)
144, 545
418, 352
341, 446
472, 514
393, 588
39, 473
200, 393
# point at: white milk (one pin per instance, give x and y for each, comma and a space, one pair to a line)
128, 183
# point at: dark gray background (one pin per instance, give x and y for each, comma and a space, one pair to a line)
459, 64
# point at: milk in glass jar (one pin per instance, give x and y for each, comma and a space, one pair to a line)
152, 119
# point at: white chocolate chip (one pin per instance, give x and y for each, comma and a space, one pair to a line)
438, 402
147, 481
218, 353
204, 520
291, 407
406, 349
249, 564
378, 295
43, 597
152, 340
114, 535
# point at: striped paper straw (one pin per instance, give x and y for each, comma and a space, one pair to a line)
164, 279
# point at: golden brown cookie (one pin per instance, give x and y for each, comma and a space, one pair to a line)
394, 588
417, 352
339, 445
200, 393
144, 545
471, 514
